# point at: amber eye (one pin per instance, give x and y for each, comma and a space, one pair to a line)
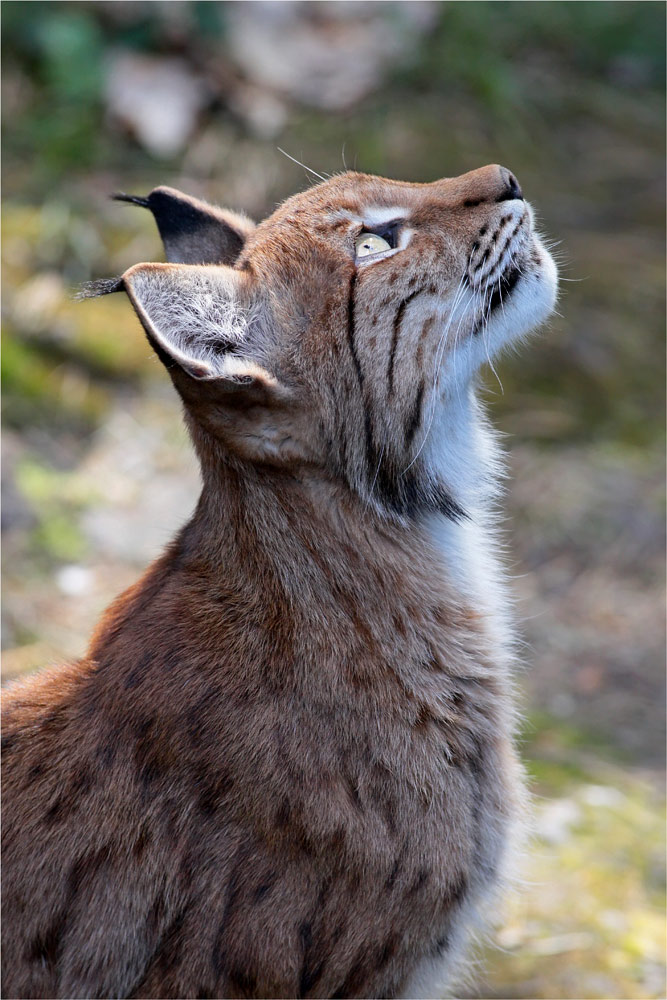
369, 243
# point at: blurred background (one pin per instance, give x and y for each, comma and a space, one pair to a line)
99, 97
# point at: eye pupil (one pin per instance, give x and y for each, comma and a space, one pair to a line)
370, 243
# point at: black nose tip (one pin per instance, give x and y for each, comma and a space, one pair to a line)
512, 186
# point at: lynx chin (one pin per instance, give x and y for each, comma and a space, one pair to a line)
285, 766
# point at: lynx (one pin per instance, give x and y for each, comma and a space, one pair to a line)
285, 766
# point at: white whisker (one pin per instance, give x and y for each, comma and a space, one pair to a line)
438, 357
300, 164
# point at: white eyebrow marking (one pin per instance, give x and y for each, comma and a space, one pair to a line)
404, 237
377, 215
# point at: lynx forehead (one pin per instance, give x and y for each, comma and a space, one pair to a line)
285, 766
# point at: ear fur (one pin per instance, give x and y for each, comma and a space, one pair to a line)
196, 319
194, 232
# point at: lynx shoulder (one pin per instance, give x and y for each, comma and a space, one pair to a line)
285, 766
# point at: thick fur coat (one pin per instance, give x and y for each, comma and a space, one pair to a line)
285, 766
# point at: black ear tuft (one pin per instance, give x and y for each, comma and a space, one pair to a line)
102, 286
132, 198
192, 231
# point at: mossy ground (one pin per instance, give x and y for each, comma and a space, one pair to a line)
586, 919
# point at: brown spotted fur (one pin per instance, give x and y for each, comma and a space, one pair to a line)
284, 767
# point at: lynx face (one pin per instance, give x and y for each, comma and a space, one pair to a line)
341, 331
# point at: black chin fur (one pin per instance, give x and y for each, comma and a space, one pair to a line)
404, 495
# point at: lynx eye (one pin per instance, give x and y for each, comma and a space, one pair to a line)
368, 243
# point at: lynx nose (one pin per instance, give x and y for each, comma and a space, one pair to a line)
512, 186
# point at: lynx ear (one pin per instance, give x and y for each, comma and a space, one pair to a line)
198, 322
194, 232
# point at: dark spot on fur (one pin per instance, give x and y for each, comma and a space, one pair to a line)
261, 891
386, 805
44, 948
283, 814
337, 933
352, 986
457, 891
398, 320
338, 840
353, 793
173, 660
149, 772
323, 893
311, 970
483, 230
233, 892
106, 755
388, 951
168, 952
420, 881
35, 771
154, 753
54, 722
141, 843
399, 626
142, 726
431, 664
81, 784
475, 760
393, 875
54, 812
132, 679
213, 793
472, 202
84, 870
424, 717
440, 946
242, 982
186, 870
414, 417
156, 915
305, 843
8, 742
446, 504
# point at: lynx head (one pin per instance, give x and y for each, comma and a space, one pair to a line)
339, 333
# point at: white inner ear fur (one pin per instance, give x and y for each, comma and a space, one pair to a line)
236, 368
193, 313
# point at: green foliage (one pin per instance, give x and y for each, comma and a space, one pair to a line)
55, 499
35, 393
587, 917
